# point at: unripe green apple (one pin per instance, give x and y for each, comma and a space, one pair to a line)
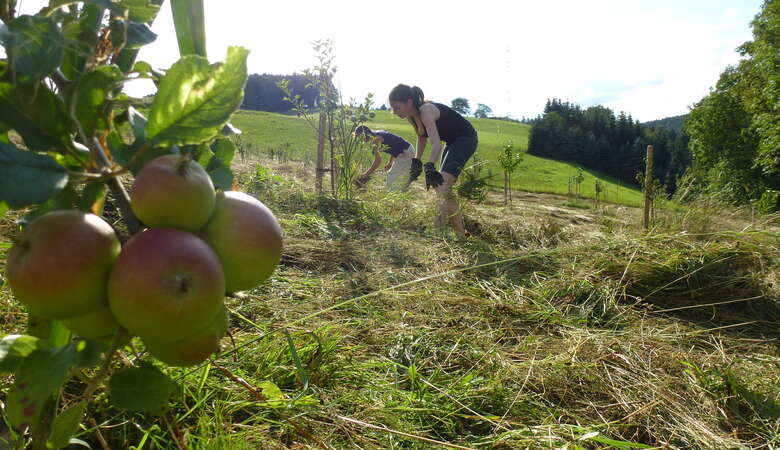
247, 238
166, 284
97, 324
173, 191
193, 349
59, 264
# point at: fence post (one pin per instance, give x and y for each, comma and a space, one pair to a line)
648, 186
320, 155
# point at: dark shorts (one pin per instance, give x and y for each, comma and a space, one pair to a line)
456, 153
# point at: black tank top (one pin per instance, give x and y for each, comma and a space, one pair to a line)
452, 125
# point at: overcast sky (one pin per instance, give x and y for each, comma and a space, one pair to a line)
650, 58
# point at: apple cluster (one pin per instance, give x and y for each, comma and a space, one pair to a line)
166, 284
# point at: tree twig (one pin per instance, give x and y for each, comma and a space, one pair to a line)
120, 194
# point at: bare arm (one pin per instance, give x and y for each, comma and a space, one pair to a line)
374, 165
421, 140
429, 113
390, 163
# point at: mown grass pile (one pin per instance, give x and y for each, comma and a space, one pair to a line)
379, 332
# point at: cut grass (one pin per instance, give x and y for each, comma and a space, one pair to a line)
537, 332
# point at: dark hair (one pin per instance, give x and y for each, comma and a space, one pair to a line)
362, 129
402, 93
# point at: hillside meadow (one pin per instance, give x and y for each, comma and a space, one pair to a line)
293, 136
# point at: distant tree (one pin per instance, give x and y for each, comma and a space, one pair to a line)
383, 107
483, 111
262, 92
510, 160
461, 105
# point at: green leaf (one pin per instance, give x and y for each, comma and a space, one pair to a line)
27, 178
216, 160
137, 122
59, 334
3, 208
37, 114
189, 20
77, 158
40, 375
138, 35
224, 150
92, 95
88, 352
271, 392
140, 11
125, 154
65, 425
93, 198
118, 33
34, 47
14, 348
142, 67
195, 99
220, 175
143, 388
304, 377
67, 198
80, 38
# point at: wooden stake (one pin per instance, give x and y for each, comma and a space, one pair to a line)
648, 186
320, 154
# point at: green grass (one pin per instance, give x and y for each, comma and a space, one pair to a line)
267, 131
531, 334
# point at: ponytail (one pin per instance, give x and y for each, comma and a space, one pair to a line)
417, 97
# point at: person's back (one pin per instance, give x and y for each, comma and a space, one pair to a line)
394, 145
452, 125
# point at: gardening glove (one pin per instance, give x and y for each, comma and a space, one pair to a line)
362, 180
433, 178
415, 170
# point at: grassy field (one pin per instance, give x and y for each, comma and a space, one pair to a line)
293, 136
551, 327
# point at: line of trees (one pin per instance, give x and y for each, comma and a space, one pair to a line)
614, 144
735, 130
262, 92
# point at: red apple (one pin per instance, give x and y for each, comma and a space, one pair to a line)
193, 349
97, 324
246, 237
173, 191
59, 265
166, 285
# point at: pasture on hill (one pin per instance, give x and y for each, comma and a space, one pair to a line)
292, 136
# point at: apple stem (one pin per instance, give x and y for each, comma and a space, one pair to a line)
183, 165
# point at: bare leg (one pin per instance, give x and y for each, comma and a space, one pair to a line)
448, 206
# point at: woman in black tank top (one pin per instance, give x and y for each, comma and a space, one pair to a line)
438, 123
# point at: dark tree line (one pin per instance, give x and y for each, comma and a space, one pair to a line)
262, 92
616, 145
